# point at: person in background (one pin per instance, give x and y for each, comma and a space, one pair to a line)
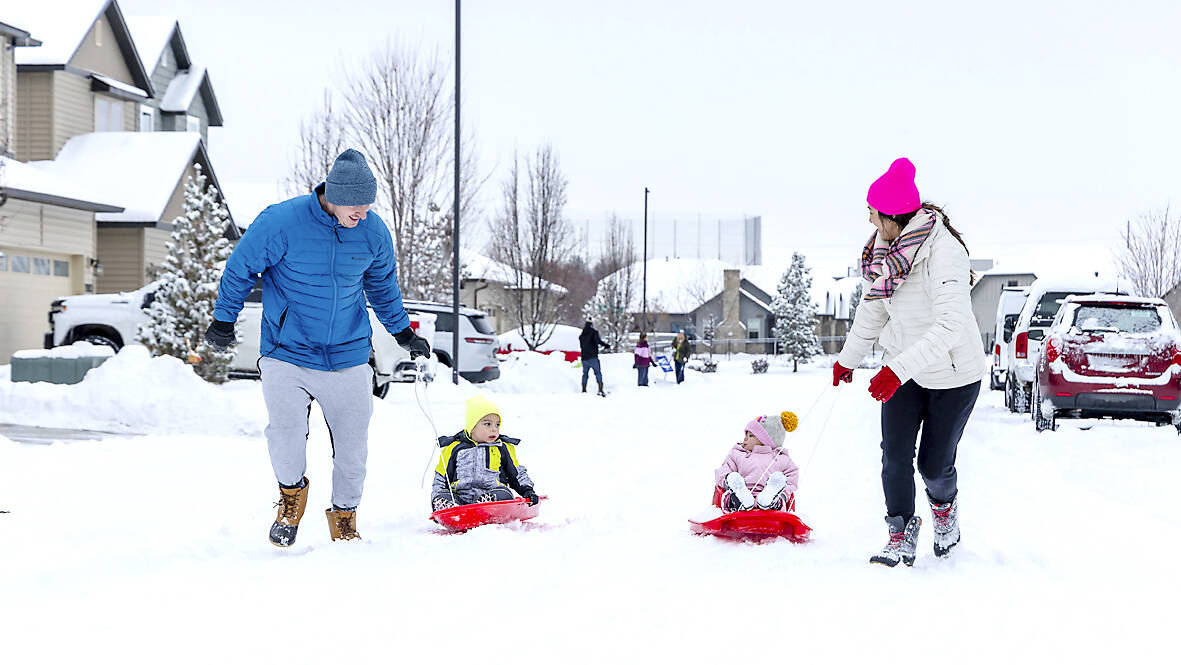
589, 341
643, 360
681, 354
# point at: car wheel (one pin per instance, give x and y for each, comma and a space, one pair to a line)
379, 391
1042, 421
1009, 395
992, 382
102, 340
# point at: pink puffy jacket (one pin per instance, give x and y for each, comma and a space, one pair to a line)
756, 465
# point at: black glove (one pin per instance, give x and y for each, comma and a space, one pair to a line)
528, 493
416, 345
220, 335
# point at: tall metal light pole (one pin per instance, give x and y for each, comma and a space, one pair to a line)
455, 214
645, 259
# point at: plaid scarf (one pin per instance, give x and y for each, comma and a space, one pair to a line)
888, 264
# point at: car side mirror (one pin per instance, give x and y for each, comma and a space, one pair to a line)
1010, 325
1037, 334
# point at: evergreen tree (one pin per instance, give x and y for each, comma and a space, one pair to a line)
854, 301
183, 306
610, 306
795, 315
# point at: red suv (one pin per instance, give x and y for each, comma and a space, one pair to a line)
1110, 357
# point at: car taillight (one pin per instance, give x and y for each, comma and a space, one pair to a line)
1051, 351
996, 356
1021, 345
478, 340
1176, 356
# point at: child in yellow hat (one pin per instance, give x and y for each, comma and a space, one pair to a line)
478, 464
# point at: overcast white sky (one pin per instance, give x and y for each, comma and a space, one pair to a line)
1033, 122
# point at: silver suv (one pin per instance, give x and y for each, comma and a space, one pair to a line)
477, 340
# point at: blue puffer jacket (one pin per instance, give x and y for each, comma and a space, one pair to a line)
316, 275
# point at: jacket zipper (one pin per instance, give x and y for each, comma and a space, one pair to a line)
332, 316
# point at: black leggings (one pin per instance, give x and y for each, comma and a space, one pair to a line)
942, 415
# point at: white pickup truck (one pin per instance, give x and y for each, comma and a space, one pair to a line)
113, 319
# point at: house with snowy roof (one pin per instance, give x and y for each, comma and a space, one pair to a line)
491, 286
183, 99
90, 197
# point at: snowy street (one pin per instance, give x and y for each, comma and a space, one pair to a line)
152, 546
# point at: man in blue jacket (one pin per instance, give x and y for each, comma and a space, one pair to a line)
320, 256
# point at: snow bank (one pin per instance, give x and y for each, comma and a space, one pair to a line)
135, 393
75, 350
564, 338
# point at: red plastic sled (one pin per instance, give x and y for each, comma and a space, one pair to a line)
754, 524
472, 515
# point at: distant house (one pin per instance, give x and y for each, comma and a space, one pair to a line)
100, 165
986, 295
183, 100
490, 286
145, 173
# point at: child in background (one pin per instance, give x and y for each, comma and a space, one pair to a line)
478, 465
643, 356
758, 472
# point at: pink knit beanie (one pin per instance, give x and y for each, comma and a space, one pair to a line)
894, 193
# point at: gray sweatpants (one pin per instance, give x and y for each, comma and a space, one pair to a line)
345, 398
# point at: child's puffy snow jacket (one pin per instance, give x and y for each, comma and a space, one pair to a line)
757, 465
316, 275
467, 466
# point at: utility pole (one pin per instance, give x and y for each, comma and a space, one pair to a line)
455, 215
645, 326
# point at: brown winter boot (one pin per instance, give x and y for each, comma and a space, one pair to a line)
291, 505
342, 524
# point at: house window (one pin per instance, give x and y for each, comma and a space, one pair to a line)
108, 114
61, 268
3, 262
145, 118
192, 123
754, 328
20, 264
41, 266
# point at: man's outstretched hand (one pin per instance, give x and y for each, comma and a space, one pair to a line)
417, 346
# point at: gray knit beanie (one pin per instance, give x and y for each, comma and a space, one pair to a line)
350, 182
771, 430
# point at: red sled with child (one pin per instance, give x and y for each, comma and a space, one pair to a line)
755, 486
478, 473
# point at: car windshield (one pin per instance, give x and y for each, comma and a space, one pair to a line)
1047, 308
480, 324
1117, 318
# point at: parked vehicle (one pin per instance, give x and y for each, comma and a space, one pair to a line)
1110, 357
1041, 306
477, 339
113, 319
1007, 311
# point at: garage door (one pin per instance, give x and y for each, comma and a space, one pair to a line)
29, 282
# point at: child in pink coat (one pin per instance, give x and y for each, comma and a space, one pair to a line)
758, 471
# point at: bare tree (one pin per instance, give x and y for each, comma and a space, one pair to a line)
321, 140
618, 289
400, 114
531, 236
1150, 256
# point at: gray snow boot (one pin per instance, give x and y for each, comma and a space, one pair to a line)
946, 524
903, 542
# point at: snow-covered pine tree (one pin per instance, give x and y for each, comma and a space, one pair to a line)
183, 306
608, 310
795, 315
430, 242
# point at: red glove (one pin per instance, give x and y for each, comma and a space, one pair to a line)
883, 384
841, 373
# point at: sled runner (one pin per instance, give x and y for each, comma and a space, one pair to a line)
754, 524
472, 515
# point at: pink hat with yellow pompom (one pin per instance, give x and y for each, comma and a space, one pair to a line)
771, 430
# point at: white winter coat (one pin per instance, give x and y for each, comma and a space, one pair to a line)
927, 328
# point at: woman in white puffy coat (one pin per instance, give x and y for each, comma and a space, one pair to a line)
918, 306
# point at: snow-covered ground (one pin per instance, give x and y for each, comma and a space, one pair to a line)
151, 546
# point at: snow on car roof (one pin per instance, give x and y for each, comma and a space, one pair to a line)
1112, 298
